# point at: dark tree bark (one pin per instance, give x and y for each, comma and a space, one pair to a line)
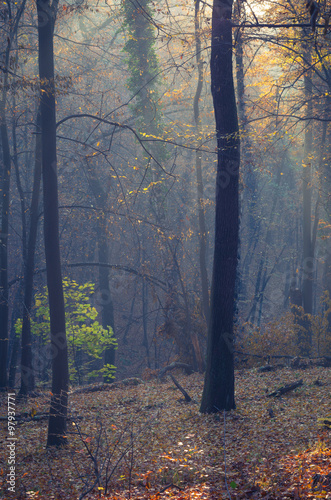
218, 393
60, 375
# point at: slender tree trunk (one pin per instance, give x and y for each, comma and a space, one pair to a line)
249, 203
145, 328
107, 311
218, 392
326, 198
27, 374
5, 198
5, 167
14, 340
4, 290
308, 252
60, 373
308, 249
202, 235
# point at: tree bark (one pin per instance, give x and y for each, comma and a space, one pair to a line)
60, 374
218, 393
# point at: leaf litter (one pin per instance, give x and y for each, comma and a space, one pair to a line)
146, 442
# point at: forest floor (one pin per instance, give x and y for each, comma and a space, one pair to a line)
151, 444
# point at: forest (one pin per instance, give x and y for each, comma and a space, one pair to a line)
165, 249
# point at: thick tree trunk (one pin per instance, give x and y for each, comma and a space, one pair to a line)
60, 374
218, 393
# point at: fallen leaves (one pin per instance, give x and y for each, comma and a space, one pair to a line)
155, 446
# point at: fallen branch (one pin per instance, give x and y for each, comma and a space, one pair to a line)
177, 384
171, 485
266, 368
286, 388
172, 366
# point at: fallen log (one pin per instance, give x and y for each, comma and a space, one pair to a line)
284, 389
177, 384
266, 368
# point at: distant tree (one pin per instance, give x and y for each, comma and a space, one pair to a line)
47, 11
202, 232
218, 392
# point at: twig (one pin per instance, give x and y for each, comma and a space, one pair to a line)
171, 485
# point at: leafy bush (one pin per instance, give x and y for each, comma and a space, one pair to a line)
293, 334
87, 339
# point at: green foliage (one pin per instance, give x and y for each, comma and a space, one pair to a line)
87, 339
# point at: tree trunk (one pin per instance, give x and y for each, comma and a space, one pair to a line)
12, 22
308, 252
145, 322
326, 199
249, 202
218, 393
202, 235
107, 311
4, 290
27, 374
60, 373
